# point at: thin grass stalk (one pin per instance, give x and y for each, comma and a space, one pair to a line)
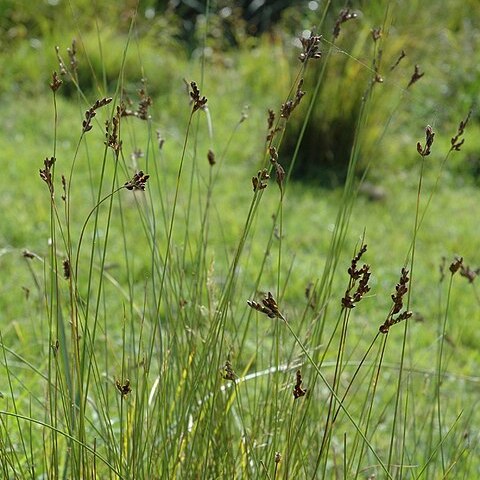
328, 431
7, 446
64, 434
84, 387
369, 407
428, 446
275, 423
113, 189
220, 338
194, 166
405, 422
347, 413
356, 372
84, 372
53, 326
88, 352
258, 195
170, 231
123, 434
289, 447
246, 441
80, 351
405, 330
157, 331
439, 378
341, 225
30, 442
435, 451
346, 312
155, 257
216, 333
15, 409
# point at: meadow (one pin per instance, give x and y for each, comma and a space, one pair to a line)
228, 255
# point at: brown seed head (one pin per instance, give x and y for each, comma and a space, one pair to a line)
271, 118
112, 129
61, 64
423, 151
362, 276
415, 76
376, 33
138, 181
64, 188
279, 175
124, 388
66, 269
273, 154
92, 111
289, 106
211, 158
455, 142
28, 254
260, 181
72, 54
228, 372
46, 173
344, 16
268, 306
56, 82
298, 391
397, 298
310, 47
469, 273
144, 104
456, 265
198, 102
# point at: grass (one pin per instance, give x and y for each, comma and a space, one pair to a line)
160, 331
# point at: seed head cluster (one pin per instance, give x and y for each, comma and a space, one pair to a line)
279, 170
198, 101
138, 181
289, 106
310, 47
123, 387
298, 391
112, 129
416, 76
268, 306
56, 82
455, 142
92, 111
401, 290
423, 151
344, 16
228, 373
259, 182
358, 285
46, 173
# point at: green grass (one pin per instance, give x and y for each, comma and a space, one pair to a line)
157, 297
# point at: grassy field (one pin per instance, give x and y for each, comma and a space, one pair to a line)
180, 300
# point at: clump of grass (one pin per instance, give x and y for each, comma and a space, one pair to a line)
132, 376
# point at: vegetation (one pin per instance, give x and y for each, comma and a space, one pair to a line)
249, 262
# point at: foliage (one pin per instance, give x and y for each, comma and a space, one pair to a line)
356, 58
175, 307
